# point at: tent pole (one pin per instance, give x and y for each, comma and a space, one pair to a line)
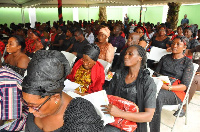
22, 13
140, 12
60, 12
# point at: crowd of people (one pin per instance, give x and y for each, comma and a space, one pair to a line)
43, 106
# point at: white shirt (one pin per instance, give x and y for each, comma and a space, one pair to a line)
90, 38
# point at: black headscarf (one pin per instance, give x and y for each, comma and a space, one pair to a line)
46, 73
92, 50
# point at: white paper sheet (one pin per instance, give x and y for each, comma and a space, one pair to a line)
70, 86
97, 99
164, 78
157, 53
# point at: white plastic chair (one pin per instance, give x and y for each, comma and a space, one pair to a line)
185, 101
105, 64
159, 84
70, 57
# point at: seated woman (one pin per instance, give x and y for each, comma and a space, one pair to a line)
40, 44
195, 86
69, 40
11, 109
134, 84
59, 38
33, 35
179, 32
88, 72
16, 60
50, 108
107, 51
161, 40
179, 69
141, 31
192, 42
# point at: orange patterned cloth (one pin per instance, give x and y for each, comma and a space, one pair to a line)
106, 52
83, 77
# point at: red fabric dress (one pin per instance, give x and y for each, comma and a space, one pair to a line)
2, 47
97, 76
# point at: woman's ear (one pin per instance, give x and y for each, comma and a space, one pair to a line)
19, 47
56, 97
140, 59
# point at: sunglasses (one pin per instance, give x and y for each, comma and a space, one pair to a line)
32, 107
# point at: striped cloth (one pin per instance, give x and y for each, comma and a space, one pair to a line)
10, 94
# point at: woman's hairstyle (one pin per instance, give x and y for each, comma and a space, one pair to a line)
46, 73
92, 50
179, 27
142, 53
37, 33
142, 28
45, 42
189, 28
20, 41
182, 38
162, 26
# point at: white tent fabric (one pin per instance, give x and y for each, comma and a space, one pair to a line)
86, 3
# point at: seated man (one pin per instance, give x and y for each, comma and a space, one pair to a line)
117, 40
134, 38
88, 72
79, 44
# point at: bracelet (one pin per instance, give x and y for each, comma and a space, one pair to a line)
170, 88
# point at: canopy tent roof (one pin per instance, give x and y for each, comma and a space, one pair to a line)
86, 3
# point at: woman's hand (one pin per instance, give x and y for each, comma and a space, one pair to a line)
112, 110
165, 87
169, 49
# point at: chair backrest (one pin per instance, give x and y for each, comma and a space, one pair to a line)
105, 64
159, 84
70, 57
151, 72
157, 53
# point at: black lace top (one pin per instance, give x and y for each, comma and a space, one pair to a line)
192, 43
160, 44
181, 69
18, 70
80, 116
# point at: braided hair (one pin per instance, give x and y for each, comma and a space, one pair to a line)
142, 53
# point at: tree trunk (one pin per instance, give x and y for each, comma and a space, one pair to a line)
172, 16
102, 14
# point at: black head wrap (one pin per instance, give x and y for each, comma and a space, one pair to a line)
92, 50
46, 73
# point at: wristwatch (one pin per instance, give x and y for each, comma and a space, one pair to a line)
170, 88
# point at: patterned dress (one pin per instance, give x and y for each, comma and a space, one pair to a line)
83, 77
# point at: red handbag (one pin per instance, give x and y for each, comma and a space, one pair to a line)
127, 106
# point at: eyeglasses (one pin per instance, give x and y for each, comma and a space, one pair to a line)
35, 108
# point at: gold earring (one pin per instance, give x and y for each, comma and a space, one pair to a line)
56, 102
